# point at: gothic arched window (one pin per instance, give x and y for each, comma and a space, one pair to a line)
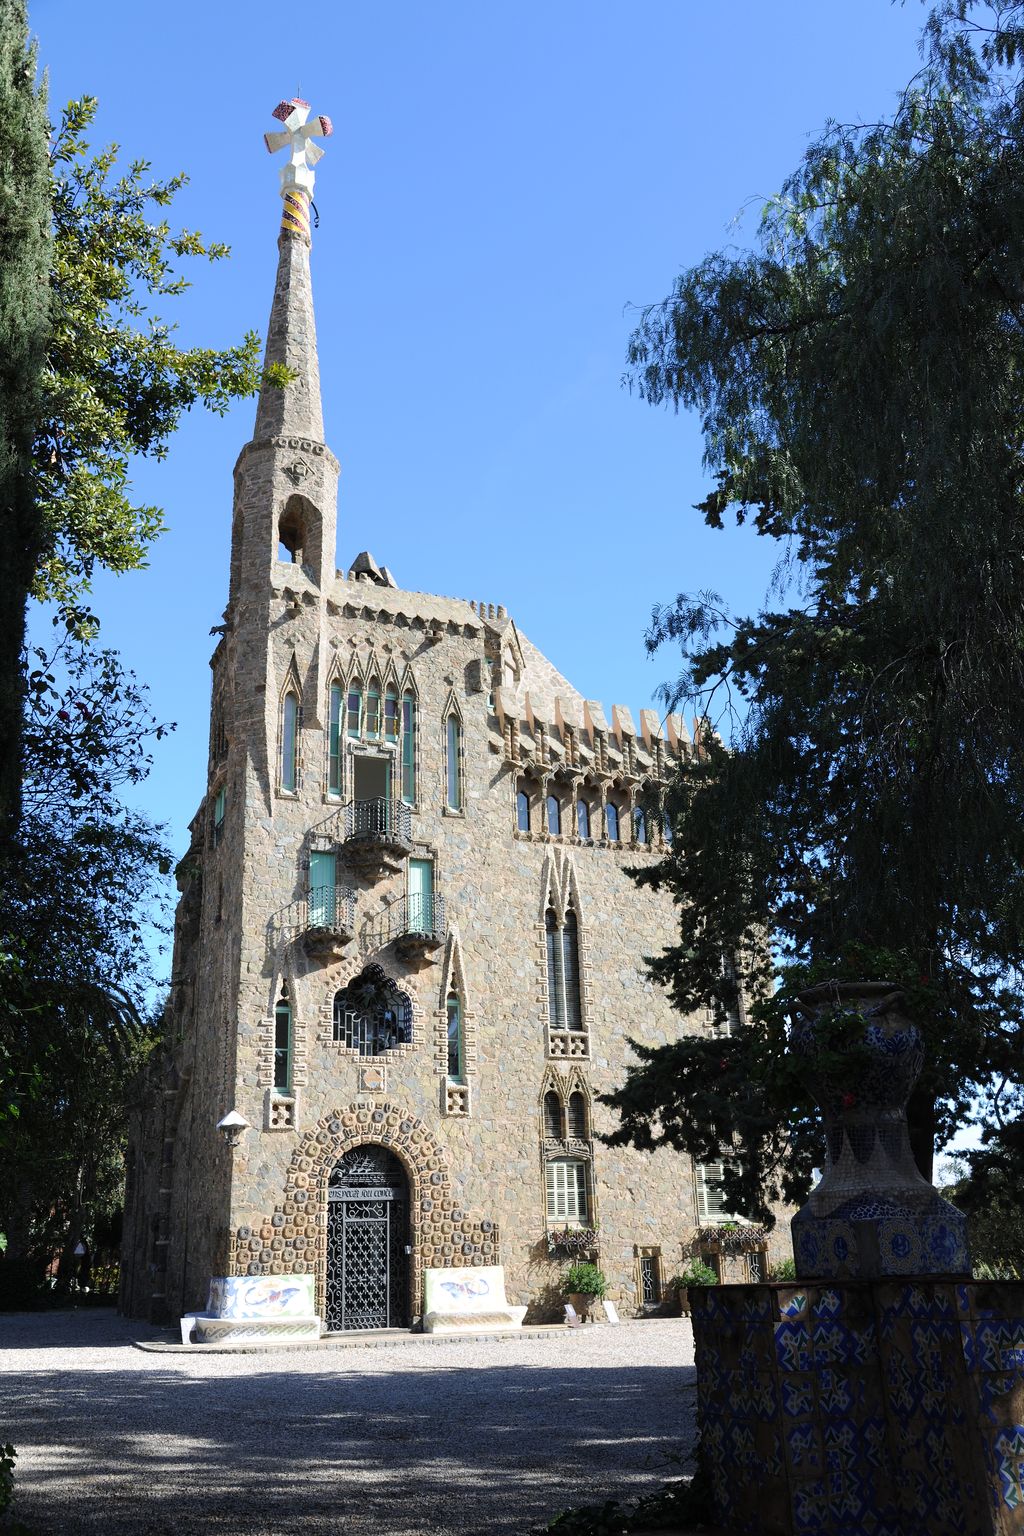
283, 1046
552, 1115
290, 741
571, 970
355, 708
408, 749
556, 986
522, 810
334, 741
554, 815
373, 710
456, 1066
582, 818
453, 762
639, 824
372, 1015
577, 1117
611, 821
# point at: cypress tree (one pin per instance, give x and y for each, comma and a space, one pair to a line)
24, 267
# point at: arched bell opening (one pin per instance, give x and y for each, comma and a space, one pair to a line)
368, 1242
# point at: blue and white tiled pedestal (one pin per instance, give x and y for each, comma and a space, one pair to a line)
863, 1408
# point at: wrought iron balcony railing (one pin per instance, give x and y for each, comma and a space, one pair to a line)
327, 911
415, 924
380, 821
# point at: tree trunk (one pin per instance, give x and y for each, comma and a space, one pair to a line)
921, 1121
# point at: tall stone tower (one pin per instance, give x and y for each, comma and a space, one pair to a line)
407, 954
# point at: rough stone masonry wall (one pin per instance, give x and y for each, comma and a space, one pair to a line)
497, 888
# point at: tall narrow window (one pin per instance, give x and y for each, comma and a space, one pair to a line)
334, 741
290, 742
523, 811
219, 807
577, 1117
373, 711
554, 815
583, 818
611, 821
571, 971
391, 715
323, 889
355, 708
556, 987
455, 1063
552, 1115
283, 1046
566, 1190
408, 749
666, 828
639, 824
454, 765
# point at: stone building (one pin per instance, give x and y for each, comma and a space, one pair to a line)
407, 952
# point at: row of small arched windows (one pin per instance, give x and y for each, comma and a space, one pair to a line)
585, 821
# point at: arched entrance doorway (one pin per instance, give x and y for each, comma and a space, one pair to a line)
367, 1242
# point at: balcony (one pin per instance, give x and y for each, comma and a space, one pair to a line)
415, 925
375, 835
325, 919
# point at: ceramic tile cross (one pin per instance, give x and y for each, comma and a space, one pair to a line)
299, 133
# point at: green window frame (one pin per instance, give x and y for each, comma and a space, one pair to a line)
391, 715
290, 723
354, 709
334, 740
373, 711
408, 749
453, 763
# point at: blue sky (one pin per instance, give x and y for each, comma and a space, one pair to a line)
503, 182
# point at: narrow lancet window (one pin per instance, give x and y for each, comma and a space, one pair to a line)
290, 742
408, 749
334, 741
455, 1046
283, 1046
454, 763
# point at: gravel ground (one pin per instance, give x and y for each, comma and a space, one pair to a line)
404, 1439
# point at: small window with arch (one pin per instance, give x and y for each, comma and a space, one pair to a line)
554, 813
639, 824
291, 720
552, 1116
582, 818
611, 821
522, 809
577, 1116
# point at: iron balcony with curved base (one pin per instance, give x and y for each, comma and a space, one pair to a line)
376, 835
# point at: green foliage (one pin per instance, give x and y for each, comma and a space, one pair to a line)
695, 1273
857, 377
584, 1280
988, 1189
24, 264
116, 381
783, 1269
78, 895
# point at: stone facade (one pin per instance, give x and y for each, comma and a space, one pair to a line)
448, 718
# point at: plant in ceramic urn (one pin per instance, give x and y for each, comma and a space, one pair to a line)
872, 1214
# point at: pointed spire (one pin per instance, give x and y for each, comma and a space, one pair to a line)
295, 410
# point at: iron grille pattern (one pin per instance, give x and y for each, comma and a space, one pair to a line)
648, 1279
378, 821
366, 1233
372, 1014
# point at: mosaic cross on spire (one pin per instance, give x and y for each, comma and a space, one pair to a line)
297, 175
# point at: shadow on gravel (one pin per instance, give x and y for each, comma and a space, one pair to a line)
425, 1452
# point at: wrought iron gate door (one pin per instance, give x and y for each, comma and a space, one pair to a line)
367, 1226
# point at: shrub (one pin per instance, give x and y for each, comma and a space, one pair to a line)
695, 1273
784, 1269
584, 1280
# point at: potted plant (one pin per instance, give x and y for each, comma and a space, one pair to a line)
583, 1283
695, 1273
